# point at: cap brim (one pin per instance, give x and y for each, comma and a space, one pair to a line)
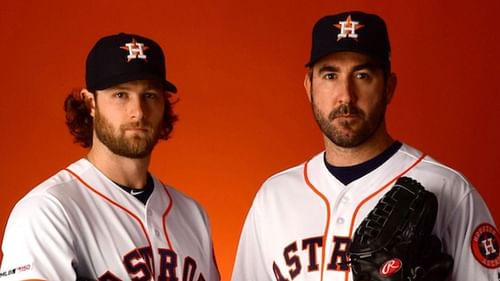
111, 82
344, 49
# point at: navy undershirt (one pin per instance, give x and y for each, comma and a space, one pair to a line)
346, 175
141, 194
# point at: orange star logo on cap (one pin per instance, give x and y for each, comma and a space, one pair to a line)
348, 29
135, 50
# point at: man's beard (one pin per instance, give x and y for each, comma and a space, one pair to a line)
115, 140
349, 133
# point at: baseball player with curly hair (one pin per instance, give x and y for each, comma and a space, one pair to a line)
105, 217
303, 220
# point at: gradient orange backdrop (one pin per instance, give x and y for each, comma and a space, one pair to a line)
239, 67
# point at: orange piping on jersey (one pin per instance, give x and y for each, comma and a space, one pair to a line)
165, 227
378, 191
119, 206
327, 203
171, 202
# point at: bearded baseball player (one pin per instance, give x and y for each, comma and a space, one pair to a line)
105, 217
368, 207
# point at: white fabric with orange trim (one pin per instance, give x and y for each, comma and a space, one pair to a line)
79, 224
302, 221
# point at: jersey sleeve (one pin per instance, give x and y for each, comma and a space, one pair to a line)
476, 251
250, 264
37, 243
214, 270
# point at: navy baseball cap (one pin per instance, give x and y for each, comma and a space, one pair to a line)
352, 31
125, 57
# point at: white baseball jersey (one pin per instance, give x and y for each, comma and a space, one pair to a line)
302, 221
79, 224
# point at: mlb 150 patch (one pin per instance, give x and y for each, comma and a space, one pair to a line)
12, 271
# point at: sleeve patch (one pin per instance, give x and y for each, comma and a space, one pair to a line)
13, 271
485, 246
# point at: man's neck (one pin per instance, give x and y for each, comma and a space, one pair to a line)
343, 157
122, 170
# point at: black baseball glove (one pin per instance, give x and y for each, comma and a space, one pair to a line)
394, 242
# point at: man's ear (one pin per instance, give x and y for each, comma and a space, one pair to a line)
392, 82
89, 100
307, 84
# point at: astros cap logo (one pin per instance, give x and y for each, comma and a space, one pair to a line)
135, 50
348, 28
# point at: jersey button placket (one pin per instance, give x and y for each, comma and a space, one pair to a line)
343, 200
153, 228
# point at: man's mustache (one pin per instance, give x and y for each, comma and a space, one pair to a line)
136, 125
345, 110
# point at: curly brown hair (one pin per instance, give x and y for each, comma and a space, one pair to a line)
80, 122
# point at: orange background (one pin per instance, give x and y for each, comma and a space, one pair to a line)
244, 115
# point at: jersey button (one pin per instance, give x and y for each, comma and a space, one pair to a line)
340, 220
157, 233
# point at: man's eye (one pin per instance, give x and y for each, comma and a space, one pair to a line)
150, 95
330, 76
120, 94
362, 75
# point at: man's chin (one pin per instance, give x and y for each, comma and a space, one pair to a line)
346, 139
135, 154
136, 149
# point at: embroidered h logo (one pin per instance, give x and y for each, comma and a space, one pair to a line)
348, 28
135, 50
